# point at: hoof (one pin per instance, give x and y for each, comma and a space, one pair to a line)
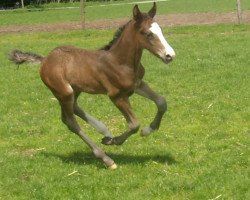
112, 141
146, 131
107, 140
113, 167
117, 141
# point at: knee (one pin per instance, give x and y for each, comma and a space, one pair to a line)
161, 104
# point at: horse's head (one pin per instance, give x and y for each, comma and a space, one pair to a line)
150, 36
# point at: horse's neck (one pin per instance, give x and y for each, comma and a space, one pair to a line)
126, 49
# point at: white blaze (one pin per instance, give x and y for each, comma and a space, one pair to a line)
155, 28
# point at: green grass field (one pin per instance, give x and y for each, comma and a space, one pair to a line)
44, 16
200, 152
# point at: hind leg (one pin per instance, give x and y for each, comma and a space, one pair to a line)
98, 125
66, 100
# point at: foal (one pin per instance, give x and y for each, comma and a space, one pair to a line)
115, 70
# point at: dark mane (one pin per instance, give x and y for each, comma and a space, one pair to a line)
115, 38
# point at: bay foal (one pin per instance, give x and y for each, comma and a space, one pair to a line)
115, 70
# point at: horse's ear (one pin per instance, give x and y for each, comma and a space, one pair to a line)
152, 11
137, 13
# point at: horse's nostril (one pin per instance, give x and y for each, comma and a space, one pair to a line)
169, 58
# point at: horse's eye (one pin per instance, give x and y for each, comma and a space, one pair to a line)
149, 35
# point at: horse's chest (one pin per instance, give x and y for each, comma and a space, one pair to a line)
125, 78
118, 80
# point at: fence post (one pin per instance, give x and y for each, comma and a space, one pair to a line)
22, 3
82, 13
239, 14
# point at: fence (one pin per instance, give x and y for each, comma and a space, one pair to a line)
173, 5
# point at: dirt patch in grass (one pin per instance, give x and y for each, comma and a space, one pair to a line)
163, 20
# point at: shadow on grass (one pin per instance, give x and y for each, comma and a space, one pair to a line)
88, 158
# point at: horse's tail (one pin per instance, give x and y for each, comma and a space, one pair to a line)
19, 57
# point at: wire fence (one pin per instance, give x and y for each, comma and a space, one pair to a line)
89, 6
105, 10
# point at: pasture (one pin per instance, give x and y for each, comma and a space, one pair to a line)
201, 150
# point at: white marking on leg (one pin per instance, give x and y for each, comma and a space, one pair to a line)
155, 28
99, 126
146, 131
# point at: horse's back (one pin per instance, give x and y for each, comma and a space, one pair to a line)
74, 66
65, 59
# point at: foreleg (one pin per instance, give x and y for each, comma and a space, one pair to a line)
122, 103
144, 90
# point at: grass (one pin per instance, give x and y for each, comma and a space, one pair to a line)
44, 16
200, 152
